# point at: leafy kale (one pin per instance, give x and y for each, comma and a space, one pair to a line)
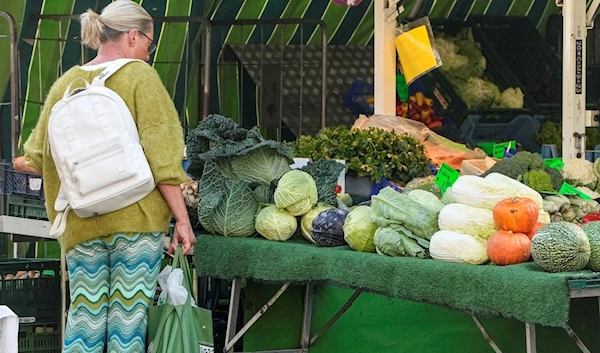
326, 173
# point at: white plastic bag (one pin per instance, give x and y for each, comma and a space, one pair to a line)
172, 290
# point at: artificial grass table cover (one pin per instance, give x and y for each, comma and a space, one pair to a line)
522, 292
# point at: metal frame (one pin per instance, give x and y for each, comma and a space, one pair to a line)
290, 21
14, 82
306, 341
232, 336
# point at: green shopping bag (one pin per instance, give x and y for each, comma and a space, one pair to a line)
182, 328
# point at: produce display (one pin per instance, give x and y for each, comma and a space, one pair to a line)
243, 185
420, 108
370, 152
561, 247
551, 134
464, 64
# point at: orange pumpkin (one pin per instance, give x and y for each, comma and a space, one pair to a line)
508, 248
534, 230
518, 214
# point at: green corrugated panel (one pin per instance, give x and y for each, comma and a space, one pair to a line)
333, 17
364, 30
294, 9
480, 7
171, 44
249, 10
520, 8
551, 9
441, 8
43, 68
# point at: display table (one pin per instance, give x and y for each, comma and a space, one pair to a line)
520, 292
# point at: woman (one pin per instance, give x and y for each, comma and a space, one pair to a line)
114, 259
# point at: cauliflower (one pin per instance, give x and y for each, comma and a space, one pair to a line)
580, 172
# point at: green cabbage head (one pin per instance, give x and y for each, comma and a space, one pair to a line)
296, 192
309, 217
275, 223
359, 230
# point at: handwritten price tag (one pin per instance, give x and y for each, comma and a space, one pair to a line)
568, 189
500, 148
446, 177
555, 163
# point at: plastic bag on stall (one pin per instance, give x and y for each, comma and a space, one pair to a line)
416, 49
438, 148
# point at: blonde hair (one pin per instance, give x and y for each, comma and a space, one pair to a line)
118, 17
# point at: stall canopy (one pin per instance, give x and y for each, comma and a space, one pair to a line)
39, 54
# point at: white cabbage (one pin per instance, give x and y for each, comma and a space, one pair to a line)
478, 192
296, 192
519, 188
359, 230
275, 223
309, 217
469, 220
455, 247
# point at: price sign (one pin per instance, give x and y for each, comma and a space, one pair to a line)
446, 177
568, 189
555, 163
500, 148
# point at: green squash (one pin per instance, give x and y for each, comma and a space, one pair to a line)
592, 230
560, 247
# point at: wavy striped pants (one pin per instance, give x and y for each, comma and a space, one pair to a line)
112, 281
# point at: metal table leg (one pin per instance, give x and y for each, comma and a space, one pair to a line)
486, 335
306, 317
530, 338
234, 305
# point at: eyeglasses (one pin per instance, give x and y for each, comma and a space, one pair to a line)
152, 46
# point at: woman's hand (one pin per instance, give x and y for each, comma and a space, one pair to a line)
184, 235
20, 165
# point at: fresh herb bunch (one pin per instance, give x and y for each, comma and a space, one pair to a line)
372, 152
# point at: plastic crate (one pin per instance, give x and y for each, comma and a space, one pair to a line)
13, 182
39, 338
447, 101
520, 128
25, 207
527, 55
356, 98
32, 299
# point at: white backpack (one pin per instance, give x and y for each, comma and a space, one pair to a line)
96, 149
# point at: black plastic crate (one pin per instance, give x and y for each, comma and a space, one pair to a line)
527, 55
40, 338
31, 288
13, 182
25, 207
447, 101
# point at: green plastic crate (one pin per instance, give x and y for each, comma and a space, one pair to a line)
34, 300
25, 207
42, 342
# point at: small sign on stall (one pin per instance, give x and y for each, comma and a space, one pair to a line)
446, 177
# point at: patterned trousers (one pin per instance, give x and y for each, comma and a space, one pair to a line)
112, 281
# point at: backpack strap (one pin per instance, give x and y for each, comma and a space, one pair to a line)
110, 70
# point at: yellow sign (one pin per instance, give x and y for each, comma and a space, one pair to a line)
415, 53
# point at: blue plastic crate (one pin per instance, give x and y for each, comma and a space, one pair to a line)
356, 98
13, 182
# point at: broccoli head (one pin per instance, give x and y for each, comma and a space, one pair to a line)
538, 180
511, 167
556, 177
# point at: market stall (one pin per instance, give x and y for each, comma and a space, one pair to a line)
520, 292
